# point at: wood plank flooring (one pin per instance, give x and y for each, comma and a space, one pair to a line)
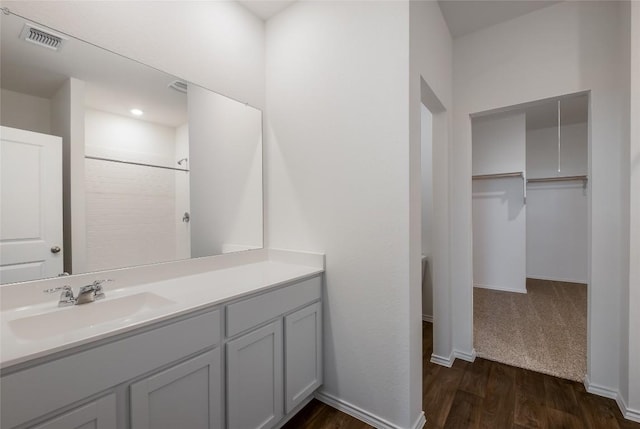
490, 395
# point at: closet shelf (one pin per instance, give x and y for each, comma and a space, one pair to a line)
558, 179
498, 175
520, 174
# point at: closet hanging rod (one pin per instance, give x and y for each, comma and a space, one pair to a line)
558, 179
142, 164
520, 174
498, 175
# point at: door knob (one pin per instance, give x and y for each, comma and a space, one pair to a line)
55, 249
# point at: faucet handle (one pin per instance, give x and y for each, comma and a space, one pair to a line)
66, 297
98, 289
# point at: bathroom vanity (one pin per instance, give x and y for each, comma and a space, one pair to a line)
239, 347
205, 329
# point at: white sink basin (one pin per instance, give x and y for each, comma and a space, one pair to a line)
64, 320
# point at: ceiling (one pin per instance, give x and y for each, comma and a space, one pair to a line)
116, 84
265, 9
113, 83
464, 17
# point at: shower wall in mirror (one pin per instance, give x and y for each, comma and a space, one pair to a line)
150, 168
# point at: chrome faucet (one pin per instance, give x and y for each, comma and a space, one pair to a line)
90, 293
86, 294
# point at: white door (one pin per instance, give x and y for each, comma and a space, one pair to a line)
30, 205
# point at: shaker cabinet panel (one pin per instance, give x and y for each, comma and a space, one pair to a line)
303, 354
187, 395
142, 352
255, 379
251, 312
99, 414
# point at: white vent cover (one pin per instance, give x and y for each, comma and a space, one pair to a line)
41, 37
179, 86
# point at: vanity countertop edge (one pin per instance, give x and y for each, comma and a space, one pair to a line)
186, 294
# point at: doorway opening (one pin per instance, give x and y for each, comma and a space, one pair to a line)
434, 223
530, 205
426, 173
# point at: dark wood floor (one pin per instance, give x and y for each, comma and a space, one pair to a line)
486, 394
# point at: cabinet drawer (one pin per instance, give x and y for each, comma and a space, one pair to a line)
72, 378
100, 414
254, 311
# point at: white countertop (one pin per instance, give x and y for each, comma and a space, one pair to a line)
167, 299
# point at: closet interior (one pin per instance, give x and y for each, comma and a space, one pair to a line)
530, 230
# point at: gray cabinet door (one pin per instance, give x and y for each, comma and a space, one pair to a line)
187, 395
303, 354
254, 379
99, 414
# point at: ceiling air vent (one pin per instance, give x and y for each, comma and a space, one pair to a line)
179, 86
42, 37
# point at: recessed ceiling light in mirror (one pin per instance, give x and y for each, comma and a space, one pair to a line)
136, 112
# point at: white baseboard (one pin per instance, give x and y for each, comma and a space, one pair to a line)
556, 279
455, 354
600, 390
427, 318
627, 413
363, 415
442, 360
420, 422
500, 288
469, 357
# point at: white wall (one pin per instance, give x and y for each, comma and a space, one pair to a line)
499, 235
542, 151
426, 172
217, 44
67, 121
25, 112
498, 143
430, 84
337, 182
183, 197
130, 209
565, 48
225, 158
128, 139
630, 371
557, 223
557, 231
499, 212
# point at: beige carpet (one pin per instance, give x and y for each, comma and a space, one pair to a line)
544, 330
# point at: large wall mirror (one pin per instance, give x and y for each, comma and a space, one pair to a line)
108, 163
